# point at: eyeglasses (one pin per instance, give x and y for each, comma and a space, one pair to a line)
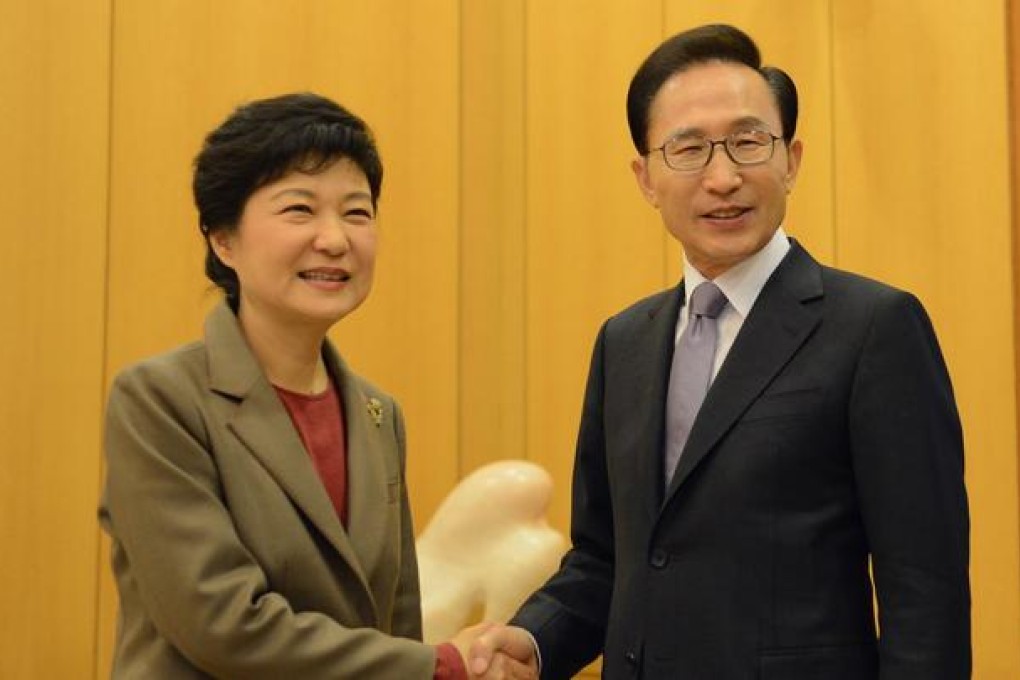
688, 153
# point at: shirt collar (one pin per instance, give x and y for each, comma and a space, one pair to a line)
743, 282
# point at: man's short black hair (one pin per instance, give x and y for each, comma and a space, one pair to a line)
714, 42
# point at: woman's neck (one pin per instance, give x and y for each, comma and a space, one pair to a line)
291, 358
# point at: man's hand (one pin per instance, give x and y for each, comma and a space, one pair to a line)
463, 640
503, 652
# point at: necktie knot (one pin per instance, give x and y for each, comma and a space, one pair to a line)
707, 300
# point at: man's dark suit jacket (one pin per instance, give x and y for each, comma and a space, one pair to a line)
829, 435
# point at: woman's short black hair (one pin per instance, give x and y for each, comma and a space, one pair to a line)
259, 143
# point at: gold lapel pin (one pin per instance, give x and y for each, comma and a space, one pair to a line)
375, 410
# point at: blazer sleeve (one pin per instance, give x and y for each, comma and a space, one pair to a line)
567, 616
202, 590
907, 449
407, 621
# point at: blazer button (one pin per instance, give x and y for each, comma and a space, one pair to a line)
631, 658
659, 558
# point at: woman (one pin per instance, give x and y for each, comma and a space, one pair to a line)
255, 486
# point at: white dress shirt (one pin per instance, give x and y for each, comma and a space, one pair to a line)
741, 285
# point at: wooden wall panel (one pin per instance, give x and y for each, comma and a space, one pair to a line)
54, 61
492, 233
1013, 123
923, 202
593, 244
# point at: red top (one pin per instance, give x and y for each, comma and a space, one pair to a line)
320, 423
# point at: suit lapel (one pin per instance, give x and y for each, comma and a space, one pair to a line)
647, 372
775, 329
368, 478
264, 427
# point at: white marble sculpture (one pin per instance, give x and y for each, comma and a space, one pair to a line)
487, 547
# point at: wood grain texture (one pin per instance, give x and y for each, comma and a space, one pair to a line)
54, 61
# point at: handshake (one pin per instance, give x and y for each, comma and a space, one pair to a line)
497, 652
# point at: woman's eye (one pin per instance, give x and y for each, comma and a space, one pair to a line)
298, 208
360, 214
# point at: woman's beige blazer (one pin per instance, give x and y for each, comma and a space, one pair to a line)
229, 558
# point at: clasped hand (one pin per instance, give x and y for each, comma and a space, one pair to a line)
497, 652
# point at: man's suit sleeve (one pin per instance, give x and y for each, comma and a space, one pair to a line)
907, 449
568, 615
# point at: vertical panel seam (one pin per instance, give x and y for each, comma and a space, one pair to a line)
459, 306
668, 251
525, 212
104, 361
833, 144
1012, 57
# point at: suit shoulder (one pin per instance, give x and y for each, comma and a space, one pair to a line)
641, 310
173, 370
869, 305
850, 286
808, 279
161, 391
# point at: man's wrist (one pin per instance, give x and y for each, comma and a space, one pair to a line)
534, 645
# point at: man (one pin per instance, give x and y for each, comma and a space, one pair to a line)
739, 540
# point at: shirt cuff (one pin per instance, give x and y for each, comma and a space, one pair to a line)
538, 653
449, 664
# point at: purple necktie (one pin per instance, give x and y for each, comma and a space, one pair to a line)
691, 373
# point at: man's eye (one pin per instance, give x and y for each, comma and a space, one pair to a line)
688, 148
750, 138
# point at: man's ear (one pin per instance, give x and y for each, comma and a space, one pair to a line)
222, 243
793, 156
640, 168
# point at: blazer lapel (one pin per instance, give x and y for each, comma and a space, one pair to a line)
777, 326
368, 478
264, 427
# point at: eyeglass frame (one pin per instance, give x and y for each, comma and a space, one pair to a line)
712, 143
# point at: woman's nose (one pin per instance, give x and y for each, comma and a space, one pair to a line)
332, 237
